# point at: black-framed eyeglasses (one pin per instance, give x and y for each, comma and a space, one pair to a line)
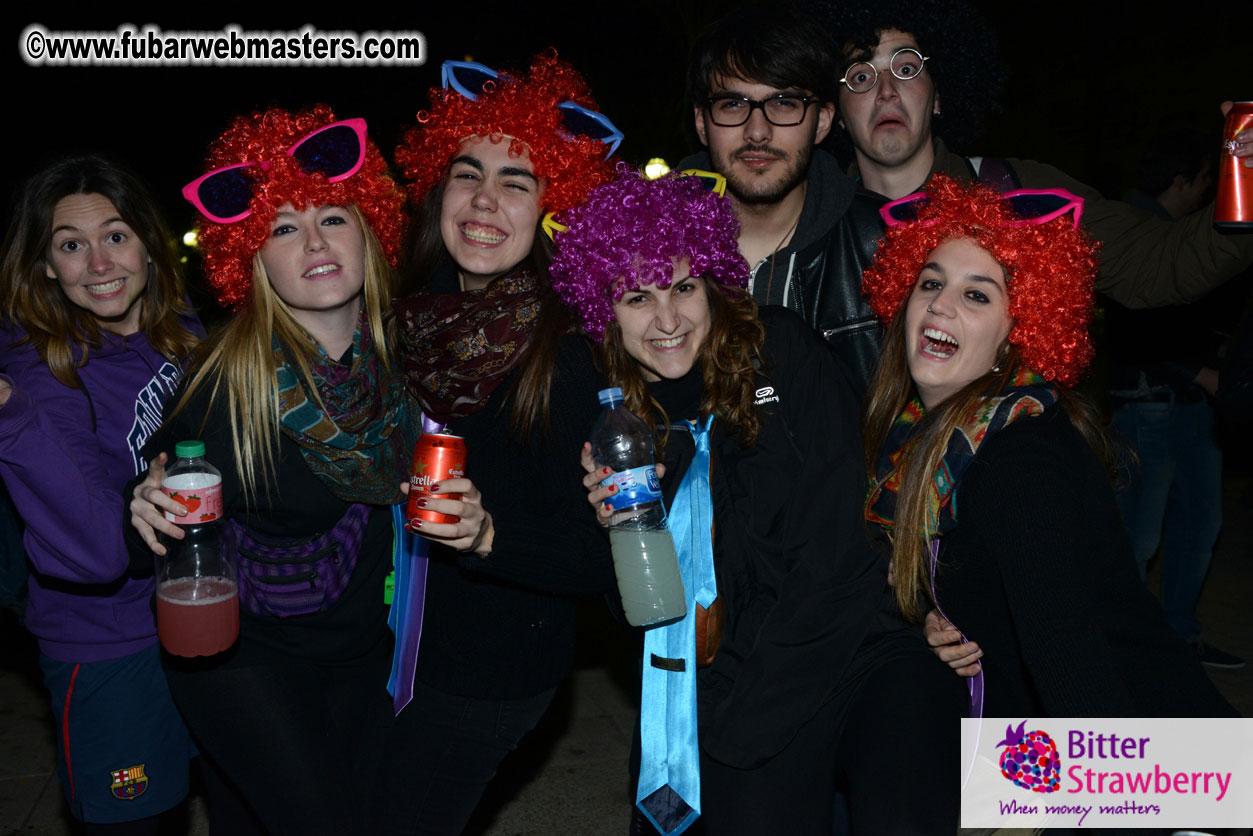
906, 64
784, 110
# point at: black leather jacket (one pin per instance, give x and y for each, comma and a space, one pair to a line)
826, 287
834, 242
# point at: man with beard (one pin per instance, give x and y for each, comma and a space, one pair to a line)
763, 83
768, 85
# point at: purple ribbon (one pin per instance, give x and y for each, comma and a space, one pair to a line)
974, 685
410, 596
408, 602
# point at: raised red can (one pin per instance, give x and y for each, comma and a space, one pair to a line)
436, 457
1233, 206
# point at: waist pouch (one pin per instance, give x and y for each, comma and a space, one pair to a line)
282, 578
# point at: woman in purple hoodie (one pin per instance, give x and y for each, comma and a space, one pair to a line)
94, 338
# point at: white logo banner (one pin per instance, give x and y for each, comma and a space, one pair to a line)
1054, 772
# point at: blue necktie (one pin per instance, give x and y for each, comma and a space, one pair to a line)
669, 787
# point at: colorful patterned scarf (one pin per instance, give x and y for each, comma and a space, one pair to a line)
358, 445
1027, 395
458, 347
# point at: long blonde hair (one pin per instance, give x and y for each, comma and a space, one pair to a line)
240, 359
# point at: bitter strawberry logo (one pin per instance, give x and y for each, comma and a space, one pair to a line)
1030, 759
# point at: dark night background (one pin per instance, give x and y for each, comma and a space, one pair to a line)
1088, 83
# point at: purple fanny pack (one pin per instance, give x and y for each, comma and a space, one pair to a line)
282, 578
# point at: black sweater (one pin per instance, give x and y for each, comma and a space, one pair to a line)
1039, 572
801, 585
295, 505
503, 626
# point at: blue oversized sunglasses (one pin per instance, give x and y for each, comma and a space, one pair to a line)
473, 80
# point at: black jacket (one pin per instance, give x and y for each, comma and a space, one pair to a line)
502, 626
1040, 573
801, 586
818, 274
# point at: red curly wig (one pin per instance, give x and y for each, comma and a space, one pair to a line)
1050, 270
523, 109
229, 248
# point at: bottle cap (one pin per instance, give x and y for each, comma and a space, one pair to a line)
189, 449
609, 397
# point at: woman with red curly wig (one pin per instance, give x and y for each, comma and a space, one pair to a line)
488, 354
303, 408
991, 476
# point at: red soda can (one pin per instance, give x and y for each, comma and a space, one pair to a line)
1233, 206
436, 457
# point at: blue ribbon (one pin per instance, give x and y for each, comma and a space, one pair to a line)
409, 562
405, 619
669, 788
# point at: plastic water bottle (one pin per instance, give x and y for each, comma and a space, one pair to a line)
197, 593
643, 551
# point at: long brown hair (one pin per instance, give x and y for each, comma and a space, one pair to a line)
531, 390
728, 358
60, 331
891, 389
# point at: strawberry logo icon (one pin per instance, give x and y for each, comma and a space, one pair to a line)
191, 503
1030, 759
208, 515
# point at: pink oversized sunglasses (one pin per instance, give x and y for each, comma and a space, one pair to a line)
225, 195
1032, 206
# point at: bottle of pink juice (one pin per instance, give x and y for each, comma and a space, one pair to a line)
197, 595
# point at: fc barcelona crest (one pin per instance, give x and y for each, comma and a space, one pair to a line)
129, 783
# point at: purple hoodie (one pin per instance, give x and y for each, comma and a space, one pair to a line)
66, 481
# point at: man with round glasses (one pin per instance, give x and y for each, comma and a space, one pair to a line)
907, 62
886, 103
862, 76
763, 86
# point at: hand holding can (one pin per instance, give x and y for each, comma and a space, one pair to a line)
1233, 204
437, 457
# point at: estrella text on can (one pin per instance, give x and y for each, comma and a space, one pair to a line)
436, 457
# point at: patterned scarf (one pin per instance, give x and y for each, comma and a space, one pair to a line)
458, 347
358, 444
1027, 395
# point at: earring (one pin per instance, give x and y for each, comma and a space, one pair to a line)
997, 368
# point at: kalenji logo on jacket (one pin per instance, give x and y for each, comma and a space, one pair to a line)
765, 395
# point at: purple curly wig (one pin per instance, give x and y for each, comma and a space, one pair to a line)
628, 235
